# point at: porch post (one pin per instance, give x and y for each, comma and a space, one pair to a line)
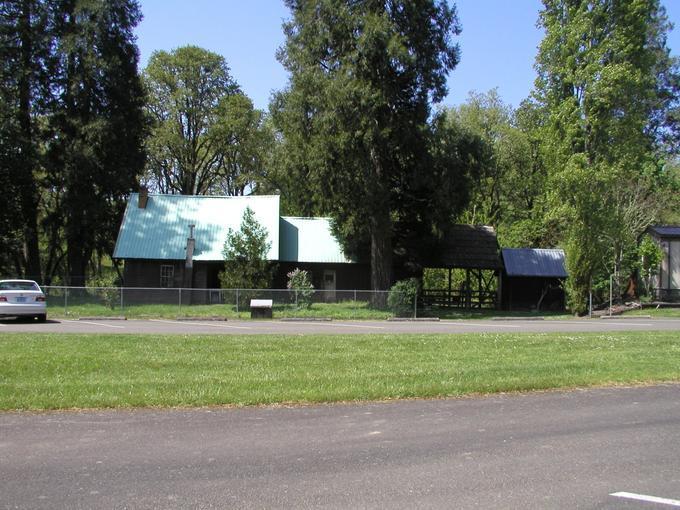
448, 297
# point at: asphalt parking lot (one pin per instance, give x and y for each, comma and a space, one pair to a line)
281, 327
610, 448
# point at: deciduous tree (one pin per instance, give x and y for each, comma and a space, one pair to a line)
511, 181
609, 89
207, 138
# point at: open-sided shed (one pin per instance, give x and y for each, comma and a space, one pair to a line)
533, 279
473, 249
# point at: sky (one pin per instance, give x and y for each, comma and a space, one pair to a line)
498, 42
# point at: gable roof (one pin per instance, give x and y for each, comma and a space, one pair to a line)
160, 230
467, 247
309, 240
534, 262
665, 230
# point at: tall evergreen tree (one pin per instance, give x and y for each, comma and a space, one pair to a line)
245, 256
98, 125
25, 69
363, 76
609, 89
10, 213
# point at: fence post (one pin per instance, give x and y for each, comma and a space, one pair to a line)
236, 302
296, 299
180, 301
121, 299
415, 305
65, 300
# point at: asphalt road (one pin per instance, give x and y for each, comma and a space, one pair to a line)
542, 450
163, 326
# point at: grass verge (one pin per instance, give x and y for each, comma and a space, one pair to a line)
655, 312
345, 310
92, 371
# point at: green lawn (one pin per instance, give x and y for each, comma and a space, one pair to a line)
342, 310
489, 314
655, 312
89, 371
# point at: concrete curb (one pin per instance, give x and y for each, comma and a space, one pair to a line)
625, 317
517, 318
204, 319
417, 319
306, 319
102, 318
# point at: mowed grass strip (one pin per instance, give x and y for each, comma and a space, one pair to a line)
92, 371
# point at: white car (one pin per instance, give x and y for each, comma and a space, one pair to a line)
21, 298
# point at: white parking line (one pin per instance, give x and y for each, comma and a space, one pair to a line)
221, 325
185, 323
477, 325
356, 326
328, 323
94, 324
575, 321
628, 323
648, 499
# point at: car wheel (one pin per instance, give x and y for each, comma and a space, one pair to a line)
42, 317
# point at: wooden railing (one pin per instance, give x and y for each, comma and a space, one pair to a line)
458, 298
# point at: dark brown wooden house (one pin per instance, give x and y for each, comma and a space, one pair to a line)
176, 241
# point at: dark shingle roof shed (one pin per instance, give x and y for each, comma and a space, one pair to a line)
467, 247
665, 231
534, 262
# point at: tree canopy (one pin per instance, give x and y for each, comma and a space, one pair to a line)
206, 136
508, 192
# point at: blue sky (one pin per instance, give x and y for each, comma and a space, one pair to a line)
498, 42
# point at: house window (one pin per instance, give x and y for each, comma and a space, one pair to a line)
167, 275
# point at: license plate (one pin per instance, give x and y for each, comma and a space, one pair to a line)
21, 300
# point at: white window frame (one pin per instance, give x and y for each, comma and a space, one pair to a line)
167, 276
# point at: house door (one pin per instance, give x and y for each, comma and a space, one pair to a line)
329, 285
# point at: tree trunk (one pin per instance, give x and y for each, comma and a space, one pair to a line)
78, 247
77, 265
381, 257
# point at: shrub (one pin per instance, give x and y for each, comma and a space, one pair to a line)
402, 296
300, 281
106, 288
651, 255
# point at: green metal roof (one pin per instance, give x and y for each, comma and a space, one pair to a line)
161, 229
309, 240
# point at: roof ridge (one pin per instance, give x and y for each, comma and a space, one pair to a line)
177, 195
307, 217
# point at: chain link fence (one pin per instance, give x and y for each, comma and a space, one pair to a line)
133, 302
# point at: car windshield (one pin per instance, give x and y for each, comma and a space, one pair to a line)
19, 286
